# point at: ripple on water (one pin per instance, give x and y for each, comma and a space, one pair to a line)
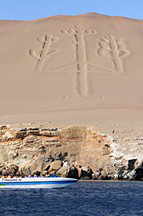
81, 199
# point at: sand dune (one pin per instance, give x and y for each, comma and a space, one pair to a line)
85, 68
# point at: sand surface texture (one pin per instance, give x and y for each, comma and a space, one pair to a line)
84, 68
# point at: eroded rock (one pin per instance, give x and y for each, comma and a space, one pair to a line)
42, 151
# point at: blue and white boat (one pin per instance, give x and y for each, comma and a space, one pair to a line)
36, 182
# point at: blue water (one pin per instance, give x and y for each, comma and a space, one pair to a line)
81, 199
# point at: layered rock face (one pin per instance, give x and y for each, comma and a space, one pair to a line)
74, 151
47, 150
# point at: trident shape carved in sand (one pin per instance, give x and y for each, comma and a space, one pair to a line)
108, 46
79, 33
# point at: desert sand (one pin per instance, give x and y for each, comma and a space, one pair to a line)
72, 69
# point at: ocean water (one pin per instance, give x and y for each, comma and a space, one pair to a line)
80, 199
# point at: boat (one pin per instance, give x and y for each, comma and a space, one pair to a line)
36, 182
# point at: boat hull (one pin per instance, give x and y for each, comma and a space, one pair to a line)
47, 182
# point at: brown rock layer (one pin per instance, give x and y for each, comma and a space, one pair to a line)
74, 151
46, 150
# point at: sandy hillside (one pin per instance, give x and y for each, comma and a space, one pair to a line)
84, 68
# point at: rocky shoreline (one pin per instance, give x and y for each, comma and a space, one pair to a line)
73, 151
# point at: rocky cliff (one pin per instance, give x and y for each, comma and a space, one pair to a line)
74, 151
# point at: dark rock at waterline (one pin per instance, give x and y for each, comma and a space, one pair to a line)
131, 164
104, 175
73, 173
139, 173
86, 173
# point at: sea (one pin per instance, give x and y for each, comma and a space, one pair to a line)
80, 199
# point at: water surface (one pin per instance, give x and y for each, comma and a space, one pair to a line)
81, 199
